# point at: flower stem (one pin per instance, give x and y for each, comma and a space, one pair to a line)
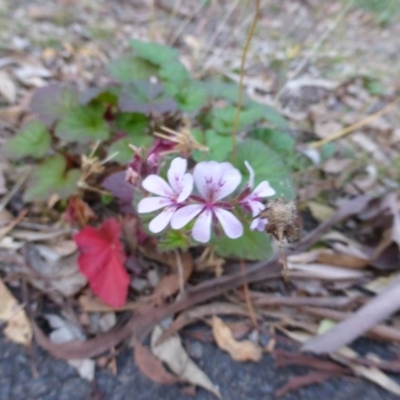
240, 94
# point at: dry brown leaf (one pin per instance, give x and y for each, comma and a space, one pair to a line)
341, 260
174, 355
194, 314
373, 374
323, 271
18, 329
89, 303
151, 366
51, 272
7, 87
244, 350
3, 187
321, 212
170, 284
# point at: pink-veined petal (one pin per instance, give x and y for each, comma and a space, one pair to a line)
232, 227
206, 174
251, 174
202, 227
157, 185
229, 181
259, 224
150, 204
186, 188
185, 214
263, 189
175, 173
255, 206
160, 222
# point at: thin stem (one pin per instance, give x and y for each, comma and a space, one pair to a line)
249, 304
240, 94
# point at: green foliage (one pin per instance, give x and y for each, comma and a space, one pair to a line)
219, 145
83, 124
173, 240
50, 178
51, 102
267, 165
146, 98
251, 246
277, 140
155, 53
129, 68
33, 140
385, 10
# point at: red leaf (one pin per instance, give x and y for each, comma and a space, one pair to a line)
102, 260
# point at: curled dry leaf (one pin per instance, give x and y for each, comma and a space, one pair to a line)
51, 272
151, 366
170, 284
174, 355
18, 329
244, 350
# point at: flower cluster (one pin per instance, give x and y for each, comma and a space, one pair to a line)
214, 182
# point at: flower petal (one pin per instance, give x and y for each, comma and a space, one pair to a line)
185, 214
161, 221
157, 185
215, 180
228, 182
205, 174
263, 189
150, 204
186, 188
232, 227
255, 206
202, 227
259, 224
175, 173
251, 173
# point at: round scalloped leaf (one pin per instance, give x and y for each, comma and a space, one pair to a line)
52, 178
267, 165
83, 124
124, 152
33, 140
154, 52
51, 102
129, 68
252, 246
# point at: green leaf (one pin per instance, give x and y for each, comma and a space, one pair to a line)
173, 240
104, 95
133, 124
154, 52
33, 140
253, 245
267, 165
223, 118
281, 142
269, 114
51, 102
174, 72
122, 147
219, 145
129, 68
229, 91
83, 124
51, 178
146, 98
191, 97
